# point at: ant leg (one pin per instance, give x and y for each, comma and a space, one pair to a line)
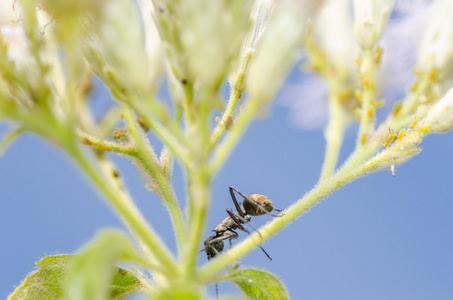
240, 220
251, 202
240, 210
262, 249
229, 234
217, 290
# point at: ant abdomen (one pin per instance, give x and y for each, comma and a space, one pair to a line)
264, 206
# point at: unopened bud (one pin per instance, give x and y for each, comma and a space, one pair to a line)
440, 118
436, 48
370, 20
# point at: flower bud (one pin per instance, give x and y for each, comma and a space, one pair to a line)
436, 48
13, 35
260, 18
153, 45
279, 49
333, 34
211, 35
115, 43
370, 20
440, 117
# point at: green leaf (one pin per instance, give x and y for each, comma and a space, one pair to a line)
48, 281
258, 284
90, 274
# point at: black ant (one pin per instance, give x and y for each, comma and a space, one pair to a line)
253, 205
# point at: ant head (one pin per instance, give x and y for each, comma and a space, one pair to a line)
212, 248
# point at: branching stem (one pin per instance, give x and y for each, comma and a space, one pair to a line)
128, 211
238, 129
151, 164
170, 140
235, 94
104, 145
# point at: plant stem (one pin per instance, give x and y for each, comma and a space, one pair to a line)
235, 94
319, 192
413, 101
104, 145
239, 127
367, 111
152, 165
175, 146
128, 211
334, 136
199, 198
402, 119
110, 172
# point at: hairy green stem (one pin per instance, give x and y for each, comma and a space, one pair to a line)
152, 165
224, 149
111, 174
369, 91
104, 145
334, 136
199, 198
413, 101
402, 119
128, 211
235, 94
170, 140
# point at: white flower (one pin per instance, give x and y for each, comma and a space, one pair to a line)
13, 34
16, 40
440, 117
279, 49
260, 18
399, 41
211, 34
436, 48
370, 20
333, 33
153, 43
7, 13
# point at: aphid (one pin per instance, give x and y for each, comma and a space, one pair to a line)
390, 138
401, 134
414, 123
253, 205
392, 170
378, 56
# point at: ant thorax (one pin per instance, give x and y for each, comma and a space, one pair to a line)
227, 223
